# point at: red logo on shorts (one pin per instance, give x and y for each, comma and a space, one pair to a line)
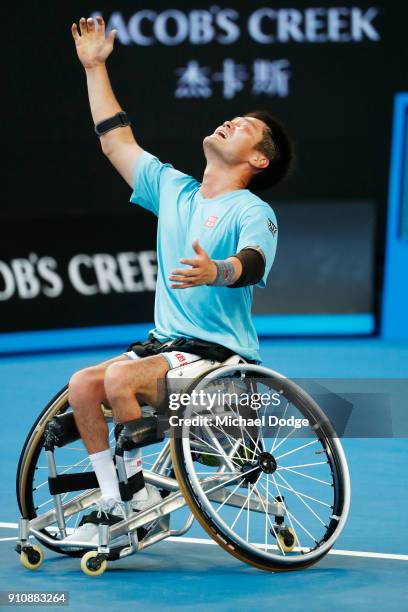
211, 221
180, 357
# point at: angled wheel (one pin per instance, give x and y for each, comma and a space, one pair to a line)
276, 497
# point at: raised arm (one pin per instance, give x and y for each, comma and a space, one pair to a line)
93, 49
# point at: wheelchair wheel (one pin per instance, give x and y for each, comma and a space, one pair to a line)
274, 494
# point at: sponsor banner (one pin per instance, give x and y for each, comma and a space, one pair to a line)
230, 25
93, 270
228, 28
77, 271
180, 70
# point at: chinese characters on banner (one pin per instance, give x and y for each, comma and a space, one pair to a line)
262, 25
270, 77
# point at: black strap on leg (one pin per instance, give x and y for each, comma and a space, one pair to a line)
134, 484
138, 433
65, 483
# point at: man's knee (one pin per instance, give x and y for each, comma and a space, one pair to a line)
83, 385
122, 379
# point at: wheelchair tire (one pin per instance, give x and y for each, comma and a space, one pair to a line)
188, 478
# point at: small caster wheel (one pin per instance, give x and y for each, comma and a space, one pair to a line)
92, 564
286, 540
32, 557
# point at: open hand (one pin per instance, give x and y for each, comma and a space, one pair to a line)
91, 45
203, 270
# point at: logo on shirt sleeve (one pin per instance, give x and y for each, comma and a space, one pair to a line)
272, 228
211, 221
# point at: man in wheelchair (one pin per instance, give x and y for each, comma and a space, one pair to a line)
223, 236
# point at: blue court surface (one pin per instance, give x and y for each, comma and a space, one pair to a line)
368, 568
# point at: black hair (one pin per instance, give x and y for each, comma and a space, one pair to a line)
278, 147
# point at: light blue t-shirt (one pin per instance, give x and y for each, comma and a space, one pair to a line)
223, 225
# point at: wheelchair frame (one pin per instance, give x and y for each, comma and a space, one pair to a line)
94, 561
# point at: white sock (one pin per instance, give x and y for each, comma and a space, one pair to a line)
105, 471
133, 463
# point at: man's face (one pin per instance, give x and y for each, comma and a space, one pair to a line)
235, 141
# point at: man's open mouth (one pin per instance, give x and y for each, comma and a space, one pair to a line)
222, 134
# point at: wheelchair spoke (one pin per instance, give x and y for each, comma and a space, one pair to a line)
214, 473
238, 475
305, 475
279, 428
247, 515
221, 429
226, 460
293, 430
150, 455
240, 426
198, 452
246, 501
292, 490
229, 438
209, 445
260, 436
229, 496
267, 515
294, 450
69, 467
50, 500
302, 465
243, 428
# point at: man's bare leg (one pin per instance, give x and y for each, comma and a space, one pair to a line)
129, 383
87, 390
86, 393
123, 383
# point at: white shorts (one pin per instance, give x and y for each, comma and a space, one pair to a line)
175, 359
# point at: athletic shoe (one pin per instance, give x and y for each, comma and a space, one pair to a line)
153, 498
109, 511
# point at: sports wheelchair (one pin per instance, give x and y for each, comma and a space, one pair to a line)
270, 493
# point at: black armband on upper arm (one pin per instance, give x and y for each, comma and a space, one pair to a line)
118, 120
253, 267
